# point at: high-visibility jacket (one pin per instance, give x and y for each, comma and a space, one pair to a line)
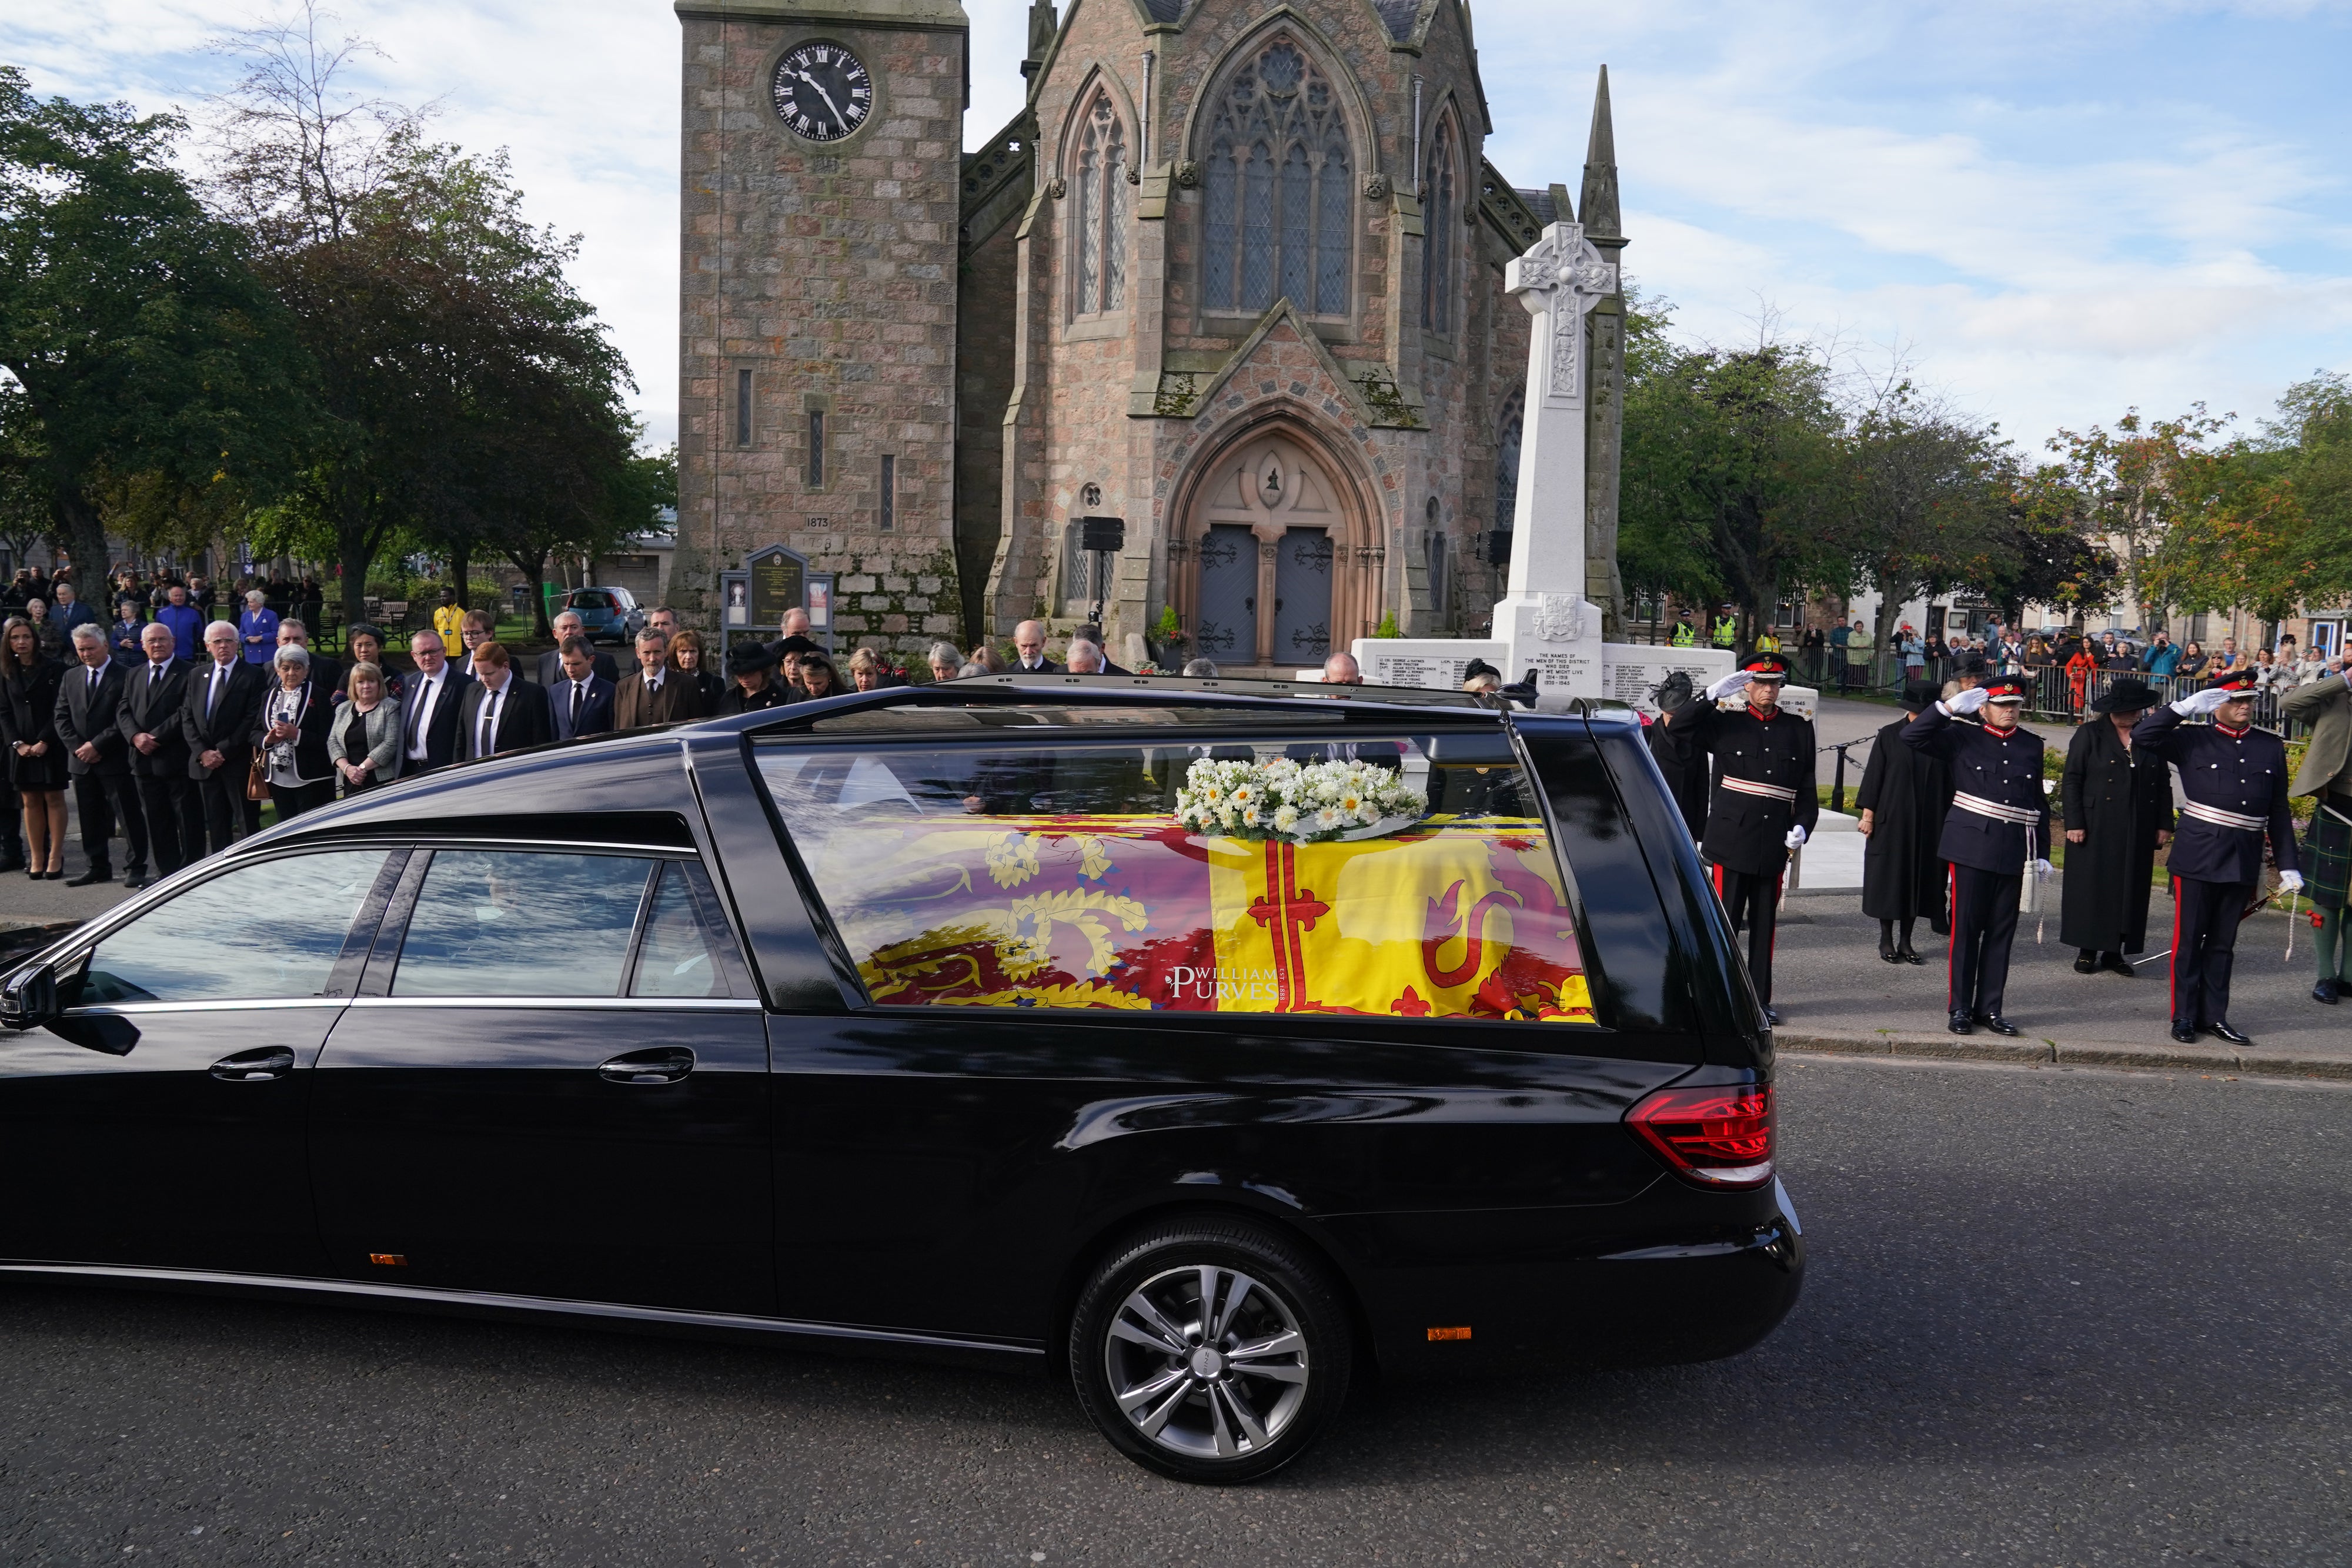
448, 620
1766, 643
1685, 637
1727, 633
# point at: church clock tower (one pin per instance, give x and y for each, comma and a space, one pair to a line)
817, 328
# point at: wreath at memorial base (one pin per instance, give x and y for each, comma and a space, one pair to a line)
1297, 802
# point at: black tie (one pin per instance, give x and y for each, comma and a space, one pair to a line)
416, 709
579, 696
212, 693
484, 743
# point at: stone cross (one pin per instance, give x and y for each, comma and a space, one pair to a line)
1545, 618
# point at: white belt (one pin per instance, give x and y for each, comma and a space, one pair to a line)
1769, 791
2221, 819
1997, 811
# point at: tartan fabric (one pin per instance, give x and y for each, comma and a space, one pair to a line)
2327, 858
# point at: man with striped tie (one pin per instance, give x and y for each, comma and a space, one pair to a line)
1995, 836
1764, 805
2233, 784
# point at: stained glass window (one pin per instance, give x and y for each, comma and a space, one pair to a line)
1280, 210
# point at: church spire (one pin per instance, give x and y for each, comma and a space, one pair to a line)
1597, 204
1043, 27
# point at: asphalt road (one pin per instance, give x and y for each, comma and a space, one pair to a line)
2053, 1317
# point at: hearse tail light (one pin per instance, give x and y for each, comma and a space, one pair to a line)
1716, 1137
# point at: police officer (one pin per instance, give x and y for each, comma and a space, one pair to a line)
1684, 635
1726, 630
2234, 783
1764, 803
1996, 835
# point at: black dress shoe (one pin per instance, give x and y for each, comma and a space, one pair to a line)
1997, 1023
1909, 956
1960, 1023
2087, 962
2116, 964
2325, 991
2222, 1030
133, 883
94, 875
2184, 1034
1889, 954
1773, 1015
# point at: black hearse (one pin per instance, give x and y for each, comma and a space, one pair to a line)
1206, 1042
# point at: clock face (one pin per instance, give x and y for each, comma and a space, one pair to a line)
823, 91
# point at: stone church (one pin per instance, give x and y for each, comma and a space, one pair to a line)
1233, 275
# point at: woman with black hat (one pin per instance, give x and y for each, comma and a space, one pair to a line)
2118, 810
1905, 794
753, 684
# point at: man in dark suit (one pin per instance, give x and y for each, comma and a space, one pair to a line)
653, 693
499, 711
224, 695
428, 713
1093, 634
582, 698
97, 760
155, 692
568, 625
1029, 642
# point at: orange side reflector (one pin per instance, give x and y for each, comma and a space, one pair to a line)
400, 1260
1461, 1332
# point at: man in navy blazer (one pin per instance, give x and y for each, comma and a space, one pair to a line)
582, 697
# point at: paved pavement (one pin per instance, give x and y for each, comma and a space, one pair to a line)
2053, 1316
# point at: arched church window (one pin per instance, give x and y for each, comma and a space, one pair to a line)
1442, 223
1100, 231
1280, 208
1506, 471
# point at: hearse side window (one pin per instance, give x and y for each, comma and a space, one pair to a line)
263, 932
686, 950
1390, 876
522, 923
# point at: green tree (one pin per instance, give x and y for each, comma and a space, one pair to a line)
2038, 554
2264, 523
1922, 497
141, 339
1730, 459
2127, 487
25, 515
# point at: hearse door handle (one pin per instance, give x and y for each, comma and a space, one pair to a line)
254, 1066
662, 1064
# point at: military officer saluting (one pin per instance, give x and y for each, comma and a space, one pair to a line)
1996, 835
2234, 779
1764, 804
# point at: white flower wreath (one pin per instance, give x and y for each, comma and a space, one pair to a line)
1304, 802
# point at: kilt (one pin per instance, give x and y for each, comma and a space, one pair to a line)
2327, 854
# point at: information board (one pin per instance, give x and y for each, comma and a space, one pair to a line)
779, 582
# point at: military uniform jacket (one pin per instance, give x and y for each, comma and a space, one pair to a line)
2000, 815
2234, 784
1763, 782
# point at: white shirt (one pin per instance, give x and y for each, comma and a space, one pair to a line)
486, 720
420, 705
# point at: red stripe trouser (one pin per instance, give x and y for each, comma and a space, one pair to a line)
2205, 916
1753, 901
1984, 924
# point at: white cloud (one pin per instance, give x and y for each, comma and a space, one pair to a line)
2061, 209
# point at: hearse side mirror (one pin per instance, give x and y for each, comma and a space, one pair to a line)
29, 998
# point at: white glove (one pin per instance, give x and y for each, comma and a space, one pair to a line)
1967, 701
1796, 838
1729, 684
2292, 880
2042, 871
2198, 704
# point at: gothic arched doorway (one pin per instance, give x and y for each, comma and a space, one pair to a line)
1277, 571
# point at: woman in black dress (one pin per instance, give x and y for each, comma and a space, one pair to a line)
1905, 795
36, 755
2118, 813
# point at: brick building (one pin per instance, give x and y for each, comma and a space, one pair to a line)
1234, 276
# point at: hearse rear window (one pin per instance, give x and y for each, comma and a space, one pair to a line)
1390, 876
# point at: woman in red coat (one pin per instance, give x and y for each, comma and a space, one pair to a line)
2078, 672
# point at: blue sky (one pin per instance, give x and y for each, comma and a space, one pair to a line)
2052, 212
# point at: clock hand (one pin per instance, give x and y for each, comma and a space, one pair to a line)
839, 118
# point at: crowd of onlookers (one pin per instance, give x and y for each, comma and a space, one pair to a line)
175, 719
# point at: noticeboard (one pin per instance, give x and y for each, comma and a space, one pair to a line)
772, 582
